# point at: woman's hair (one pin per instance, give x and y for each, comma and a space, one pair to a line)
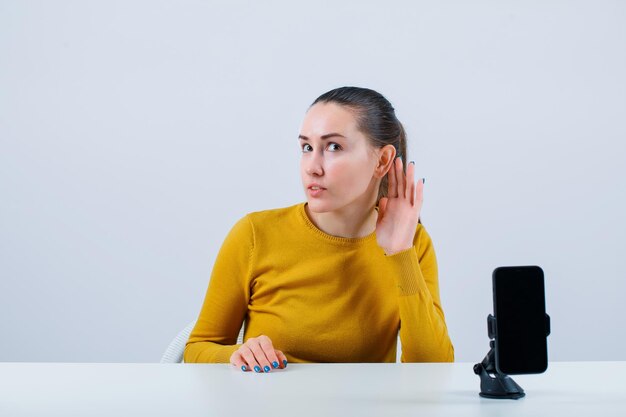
376, 118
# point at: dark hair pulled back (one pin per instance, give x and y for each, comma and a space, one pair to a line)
376, 118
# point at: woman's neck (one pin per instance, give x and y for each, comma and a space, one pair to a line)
351, 222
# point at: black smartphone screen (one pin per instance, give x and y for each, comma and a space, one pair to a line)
520, 310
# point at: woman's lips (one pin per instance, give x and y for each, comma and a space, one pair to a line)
315, 191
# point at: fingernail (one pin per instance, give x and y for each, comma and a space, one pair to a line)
423, 180
243, 368
266, 368
257, 369
275, 364
412, 162
285, 363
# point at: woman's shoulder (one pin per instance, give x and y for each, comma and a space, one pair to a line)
273, 218
275, 214
258, 224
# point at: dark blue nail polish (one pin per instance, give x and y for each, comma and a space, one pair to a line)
257, 369
243, 368
423, 180
285, 363
412, 162
275, 364
266, 368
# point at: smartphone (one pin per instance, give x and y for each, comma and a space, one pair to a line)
521, 324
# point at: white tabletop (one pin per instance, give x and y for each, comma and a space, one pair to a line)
79, 389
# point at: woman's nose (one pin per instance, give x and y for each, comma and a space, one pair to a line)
315, 164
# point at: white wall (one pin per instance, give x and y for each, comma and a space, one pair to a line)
134, 134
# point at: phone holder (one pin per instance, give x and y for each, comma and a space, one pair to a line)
494, 384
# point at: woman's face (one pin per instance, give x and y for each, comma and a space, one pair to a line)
338, 163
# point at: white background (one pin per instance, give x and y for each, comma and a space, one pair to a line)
134, 134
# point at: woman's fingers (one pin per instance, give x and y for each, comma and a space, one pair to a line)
419, 192
237, 361
410, 182
392, 190
269, 351
401, 185
258, 355
400, 180
281, 358
250, 358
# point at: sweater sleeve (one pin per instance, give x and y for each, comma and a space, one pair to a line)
423, 330
214, 336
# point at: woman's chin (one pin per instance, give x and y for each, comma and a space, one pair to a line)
317, 206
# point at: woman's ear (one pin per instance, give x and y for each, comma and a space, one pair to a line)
386, 156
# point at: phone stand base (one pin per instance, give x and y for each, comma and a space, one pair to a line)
493, 384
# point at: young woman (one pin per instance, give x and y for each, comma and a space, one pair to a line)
336, 278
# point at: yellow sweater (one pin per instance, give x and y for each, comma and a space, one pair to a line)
320, 298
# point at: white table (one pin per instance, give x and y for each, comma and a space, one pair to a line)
78, 389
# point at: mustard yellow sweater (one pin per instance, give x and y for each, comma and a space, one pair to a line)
320, 298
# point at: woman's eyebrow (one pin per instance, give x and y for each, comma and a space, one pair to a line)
323, 137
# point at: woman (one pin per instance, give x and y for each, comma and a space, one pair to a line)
336, 278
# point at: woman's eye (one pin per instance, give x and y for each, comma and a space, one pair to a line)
332, 147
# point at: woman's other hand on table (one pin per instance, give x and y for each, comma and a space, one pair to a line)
258, 354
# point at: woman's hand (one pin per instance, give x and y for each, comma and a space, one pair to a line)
398, 213
258, 354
